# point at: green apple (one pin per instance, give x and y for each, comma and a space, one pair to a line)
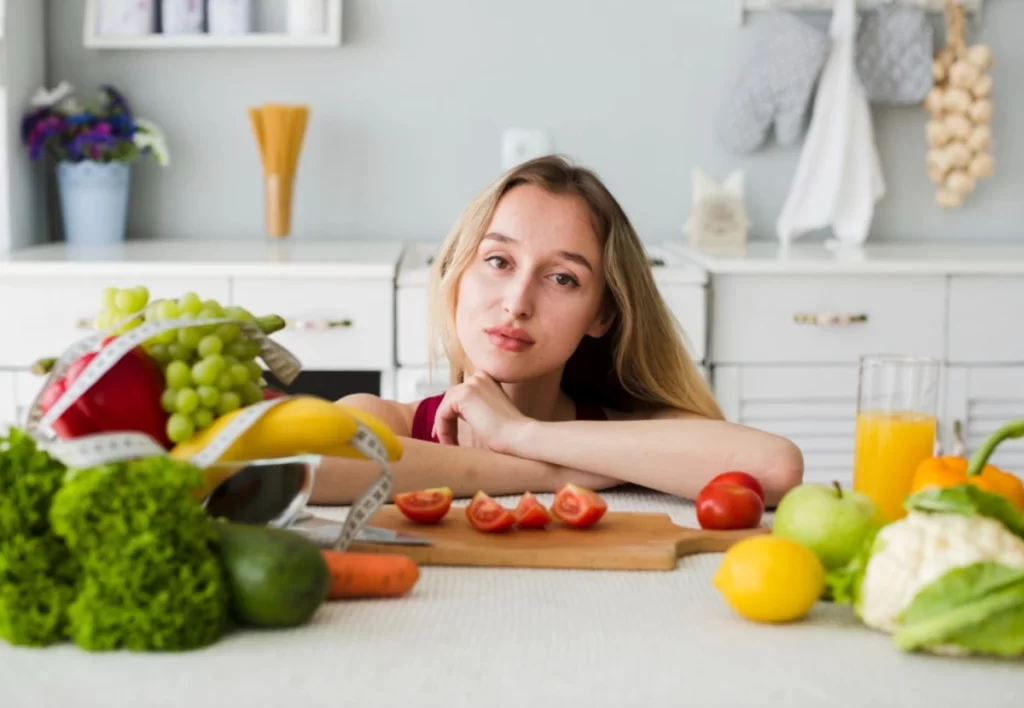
829, 520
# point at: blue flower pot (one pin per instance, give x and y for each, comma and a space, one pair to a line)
94, 201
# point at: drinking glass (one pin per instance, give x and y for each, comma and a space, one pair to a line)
897, 422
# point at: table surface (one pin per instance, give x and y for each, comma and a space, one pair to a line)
505, 637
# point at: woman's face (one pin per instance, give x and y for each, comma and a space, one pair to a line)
534, 288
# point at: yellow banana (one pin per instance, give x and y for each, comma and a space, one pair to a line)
298, 425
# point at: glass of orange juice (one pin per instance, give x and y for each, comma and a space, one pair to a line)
897, 421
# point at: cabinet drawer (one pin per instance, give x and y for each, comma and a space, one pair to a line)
332, 325
46, 315
983, 317
772, 319
688, 304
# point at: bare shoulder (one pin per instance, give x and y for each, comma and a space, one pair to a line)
397, 416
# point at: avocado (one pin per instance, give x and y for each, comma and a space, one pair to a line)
278, 578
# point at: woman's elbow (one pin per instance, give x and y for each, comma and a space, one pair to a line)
784, 471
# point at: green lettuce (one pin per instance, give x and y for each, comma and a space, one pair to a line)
968, 500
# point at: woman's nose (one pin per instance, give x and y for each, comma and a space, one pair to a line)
518, 298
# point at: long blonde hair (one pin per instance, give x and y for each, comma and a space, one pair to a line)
641, 363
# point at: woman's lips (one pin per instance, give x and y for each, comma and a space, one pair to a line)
510, 339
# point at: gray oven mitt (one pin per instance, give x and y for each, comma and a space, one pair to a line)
894, 54
776, 86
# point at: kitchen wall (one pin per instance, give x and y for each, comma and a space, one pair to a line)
407, 117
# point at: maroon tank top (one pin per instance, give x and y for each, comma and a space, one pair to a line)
426, 411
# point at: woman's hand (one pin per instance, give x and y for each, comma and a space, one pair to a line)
482, 403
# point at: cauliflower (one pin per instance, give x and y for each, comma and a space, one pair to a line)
948, 578
918, 550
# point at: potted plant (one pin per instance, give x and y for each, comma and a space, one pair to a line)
95, 146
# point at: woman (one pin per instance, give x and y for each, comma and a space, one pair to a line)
566, 364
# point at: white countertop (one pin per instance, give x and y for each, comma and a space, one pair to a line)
668, 266
768, 257
263, 258
505, 637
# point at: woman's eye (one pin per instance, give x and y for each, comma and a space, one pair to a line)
566, 280
497, 261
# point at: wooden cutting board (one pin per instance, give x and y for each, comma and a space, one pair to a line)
619, 541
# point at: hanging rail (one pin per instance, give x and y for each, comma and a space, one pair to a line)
971, 7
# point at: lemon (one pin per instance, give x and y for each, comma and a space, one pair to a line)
770, 579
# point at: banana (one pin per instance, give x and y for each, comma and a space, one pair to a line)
298, 425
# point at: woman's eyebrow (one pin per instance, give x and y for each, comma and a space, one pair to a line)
567, 255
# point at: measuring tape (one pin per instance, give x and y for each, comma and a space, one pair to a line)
107, 448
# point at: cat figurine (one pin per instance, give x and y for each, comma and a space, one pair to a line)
718, 216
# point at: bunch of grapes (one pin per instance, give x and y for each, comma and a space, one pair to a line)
209, 370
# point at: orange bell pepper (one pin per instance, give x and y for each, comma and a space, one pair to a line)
950, 471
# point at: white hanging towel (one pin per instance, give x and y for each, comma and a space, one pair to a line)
839, 176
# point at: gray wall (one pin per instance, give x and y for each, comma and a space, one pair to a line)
407, 117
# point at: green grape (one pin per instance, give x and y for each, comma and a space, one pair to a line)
229, 401
216, 363
225, 383
209, 396
168, 310
251, 393
228, 333
214, 306
152, 313
169, 400
202, 417
254, 369
237, 313
105, 320
239, 373
211, 313
190, 303
168, 337
189, 337
179, 428
179, 352
177, 375
210, 345
159, 353
244, 349
188, 400
204, 374
110, 297
132, 300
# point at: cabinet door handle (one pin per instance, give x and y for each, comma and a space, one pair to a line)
824, 319
84, 323
318, 325
959, 448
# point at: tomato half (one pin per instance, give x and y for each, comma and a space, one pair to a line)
487, 514
742, 479
578, 506
425, 506
531, 514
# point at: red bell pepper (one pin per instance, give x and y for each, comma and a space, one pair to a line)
125, 399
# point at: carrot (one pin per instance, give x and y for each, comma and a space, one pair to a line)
362, 575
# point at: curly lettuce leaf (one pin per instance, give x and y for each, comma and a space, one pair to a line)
37, 572
843, 584
968, 500
151, 576
977, 608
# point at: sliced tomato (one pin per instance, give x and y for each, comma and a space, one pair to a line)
531, 514
425, 506
578, 506
487, 514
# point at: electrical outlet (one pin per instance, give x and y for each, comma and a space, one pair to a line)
519, 145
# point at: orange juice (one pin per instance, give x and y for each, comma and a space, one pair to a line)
889, 447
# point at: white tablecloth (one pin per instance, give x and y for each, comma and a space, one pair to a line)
489, 638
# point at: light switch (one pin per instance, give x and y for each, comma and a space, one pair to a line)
519, 145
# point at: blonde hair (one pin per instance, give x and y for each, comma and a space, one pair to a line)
641, 362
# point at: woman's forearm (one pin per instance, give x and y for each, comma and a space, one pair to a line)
676, 456
465, 469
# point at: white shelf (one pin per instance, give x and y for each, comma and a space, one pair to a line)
972, 7
256, 40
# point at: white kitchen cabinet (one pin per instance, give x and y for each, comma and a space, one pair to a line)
984, 317
980, 400
813, 406
49, 313
331, 324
